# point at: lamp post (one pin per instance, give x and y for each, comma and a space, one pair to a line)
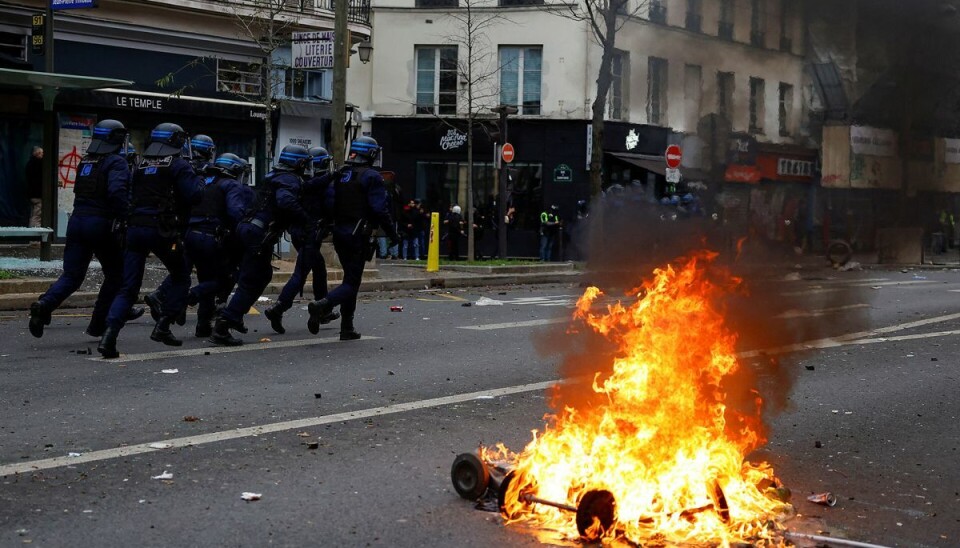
503, 111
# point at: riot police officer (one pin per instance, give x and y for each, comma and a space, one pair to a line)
359, 203
212, 222
277, 208
202, 152
163, 184
307, 243
100, 203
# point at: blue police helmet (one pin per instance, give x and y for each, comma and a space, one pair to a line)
320, 158
203, 147
292, 158
231, 165
363, 150
109, 136
166, 140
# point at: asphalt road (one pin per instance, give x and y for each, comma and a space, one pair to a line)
390, 412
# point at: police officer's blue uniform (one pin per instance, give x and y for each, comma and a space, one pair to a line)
163, 185
278, 208
222, 205
100, 200
359, 202
307, 244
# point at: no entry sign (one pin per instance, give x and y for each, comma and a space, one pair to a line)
507, 153
673, 156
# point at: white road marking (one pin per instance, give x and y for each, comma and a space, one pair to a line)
166, 354
508, 325
817, 290
903, 282
789, 314
105, 454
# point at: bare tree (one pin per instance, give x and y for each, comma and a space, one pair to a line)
266, 24
606, 18
477, 69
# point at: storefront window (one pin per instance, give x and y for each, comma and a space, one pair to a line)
442, 184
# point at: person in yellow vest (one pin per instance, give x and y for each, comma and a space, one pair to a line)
946, 227
549, 228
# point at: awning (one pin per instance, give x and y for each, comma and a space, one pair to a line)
307, 109
49, 80
653, 164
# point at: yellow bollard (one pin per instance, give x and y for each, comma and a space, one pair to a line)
433, 247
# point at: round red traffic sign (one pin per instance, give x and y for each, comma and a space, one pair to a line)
673, 156
507, 153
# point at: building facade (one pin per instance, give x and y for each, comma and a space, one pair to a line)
712, 75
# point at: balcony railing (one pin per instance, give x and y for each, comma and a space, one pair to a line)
357, 12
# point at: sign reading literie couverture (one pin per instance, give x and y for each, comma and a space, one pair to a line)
311, 50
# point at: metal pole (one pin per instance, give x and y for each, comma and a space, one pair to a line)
341, 53
48, 194
502, 189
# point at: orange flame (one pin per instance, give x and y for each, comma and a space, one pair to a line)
663, 443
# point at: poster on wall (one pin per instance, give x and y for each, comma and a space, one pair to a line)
873, 141
75, 135
298, 130
951, 151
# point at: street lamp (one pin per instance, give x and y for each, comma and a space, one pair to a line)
365, 49
503, 111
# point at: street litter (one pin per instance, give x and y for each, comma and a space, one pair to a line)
170, 371
792, 277
250, 496
303, 434
191, 418
313, 445
161, 445
467, 304
852, 265
263, 300
396, 309
825, 499
163, 476
73, 454
919, 277
875, 287
486, 301
265, 339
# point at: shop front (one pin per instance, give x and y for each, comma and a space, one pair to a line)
429, 157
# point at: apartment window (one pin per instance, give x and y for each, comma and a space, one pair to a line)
508, 3
438, 3
299, 5
658, 11
692, 95
725, 26
619, 85
13, 46
303, 84
239, 78
657, 90
758, 23
757, 104
786, 105
725, 91
694, 15
436, 80
520, 77
786, 43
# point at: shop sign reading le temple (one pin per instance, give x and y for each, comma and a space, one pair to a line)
143, 103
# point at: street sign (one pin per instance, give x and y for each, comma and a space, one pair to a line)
673, 175
507, 152
673, 156
37, 34
72, 4
562, 174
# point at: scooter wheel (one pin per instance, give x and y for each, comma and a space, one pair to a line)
598, 506
470, 476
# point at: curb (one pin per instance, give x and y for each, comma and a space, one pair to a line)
22, 301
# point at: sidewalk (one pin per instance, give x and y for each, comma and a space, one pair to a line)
18, 293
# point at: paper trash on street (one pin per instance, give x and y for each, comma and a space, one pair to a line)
163, 476
486, 301
250, 496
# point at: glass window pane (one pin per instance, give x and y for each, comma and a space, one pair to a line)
448, 59
448, 81
425, 82
509, 77
426, 58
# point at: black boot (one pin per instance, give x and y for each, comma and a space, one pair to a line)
275, 315
135, 313
347, 331
39, 317
161, 333
97, 327
182, 317
155, 304
204, 328
317, 309
108, 344
221, 333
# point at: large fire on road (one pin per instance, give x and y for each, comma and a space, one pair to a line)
665, 448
